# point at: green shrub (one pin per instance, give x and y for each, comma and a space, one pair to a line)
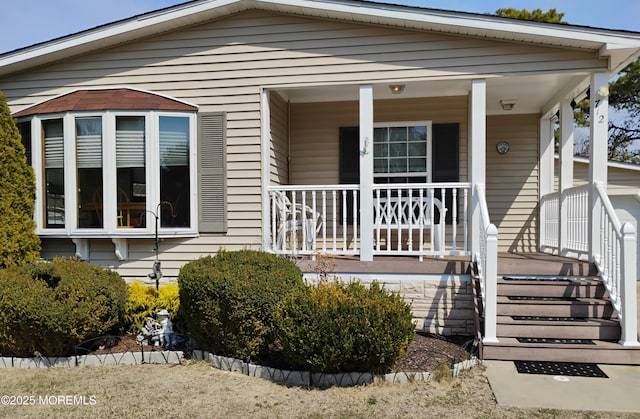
51, 307
145, 301
19, 243
228, 300
337, 327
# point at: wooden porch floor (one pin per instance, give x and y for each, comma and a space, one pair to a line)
508, 263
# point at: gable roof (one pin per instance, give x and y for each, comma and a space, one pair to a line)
621, 46
104, 99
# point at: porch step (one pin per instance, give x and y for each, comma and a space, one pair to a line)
598, 351
519, 305
559, 318
558, 327
551, 286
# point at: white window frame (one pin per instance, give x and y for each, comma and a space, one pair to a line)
152, 174
405, 124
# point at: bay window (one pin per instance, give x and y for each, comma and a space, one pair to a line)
105, 174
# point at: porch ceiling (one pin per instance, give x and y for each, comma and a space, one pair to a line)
531, 92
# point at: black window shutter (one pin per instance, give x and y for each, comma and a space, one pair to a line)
445, 162
349, 163
212, 185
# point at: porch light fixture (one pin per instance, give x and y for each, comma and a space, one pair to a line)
396, 89
508, 104
602, 92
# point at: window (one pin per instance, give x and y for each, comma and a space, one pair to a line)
54, 200
131, 174
25, 133
89, 172
401, 152
106, 173
174, 171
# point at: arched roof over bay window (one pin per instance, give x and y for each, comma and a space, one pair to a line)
108, 160
106, 99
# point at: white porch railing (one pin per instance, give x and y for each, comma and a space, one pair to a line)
405, 213
306, 220
549, 221
425, 219
614, 253
487, 262
577, 222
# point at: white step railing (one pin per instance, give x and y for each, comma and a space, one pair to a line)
616, 263
409, 219
487, 262
614, 252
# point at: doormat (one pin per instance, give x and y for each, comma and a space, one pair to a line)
571, 369
535, 278
557, 341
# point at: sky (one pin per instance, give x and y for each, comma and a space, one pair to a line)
27, 22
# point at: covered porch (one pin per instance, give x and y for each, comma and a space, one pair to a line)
321, 199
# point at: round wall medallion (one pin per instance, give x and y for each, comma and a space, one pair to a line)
502, 147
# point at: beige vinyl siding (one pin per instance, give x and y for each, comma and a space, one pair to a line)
279, 165
512, 181
315, 134
221, 66
315, 126
222, 62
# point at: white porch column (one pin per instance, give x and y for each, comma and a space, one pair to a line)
546, 171
366, 172
477, 152
566, 169
546, 157
598, 152
265, 151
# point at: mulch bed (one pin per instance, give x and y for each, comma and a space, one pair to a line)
428, 351
425, 353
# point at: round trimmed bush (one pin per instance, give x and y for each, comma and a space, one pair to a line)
49, 307
228, 300
338, 327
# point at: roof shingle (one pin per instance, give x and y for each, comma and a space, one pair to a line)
106, 99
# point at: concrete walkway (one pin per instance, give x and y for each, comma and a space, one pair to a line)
618, 393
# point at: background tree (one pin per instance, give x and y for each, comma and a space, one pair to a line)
550, 16
624, 97
18, 240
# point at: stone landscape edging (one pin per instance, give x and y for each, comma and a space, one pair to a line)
119, 358
286, 377
322, 380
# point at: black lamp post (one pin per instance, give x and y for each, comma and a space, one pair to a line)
156, 271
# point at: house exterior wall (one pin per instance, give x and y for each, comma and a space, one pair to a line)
512, 181
441, 304
222, 67
279, 160
315, 126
